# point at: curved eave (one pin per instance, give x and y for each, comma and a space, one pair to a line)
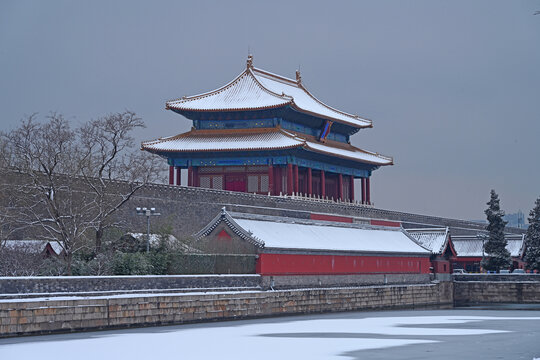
329, 153
168, 151
179, 110
295, 107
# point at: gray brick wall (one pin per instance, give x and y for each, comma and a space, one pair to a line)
45, 316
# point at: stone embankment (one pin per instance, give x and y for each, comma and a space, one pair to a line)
62, 314
473, 289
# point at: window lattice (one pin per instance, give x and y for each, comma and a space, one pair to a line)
204, 182
217, 182
264, 183
253, 183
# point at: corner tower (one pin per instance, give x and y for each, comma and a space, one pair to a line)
267, 134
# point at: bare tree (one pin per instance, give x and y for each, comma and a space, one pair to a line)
105, 156
69, 187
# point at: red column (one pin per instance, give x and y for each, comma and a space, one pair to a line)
178, 175
323, 185
363, 190
368, 197
309, 184
340, 186
190, 176
289, 179
171, 175
271, 179
296, 179
351, 191
196, 176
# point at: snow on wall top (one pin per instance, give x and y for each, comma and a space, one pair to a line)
290, 235
471, 246
433, 239
256, 89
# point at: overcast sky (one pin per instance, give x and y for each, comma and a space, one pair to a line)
452, 87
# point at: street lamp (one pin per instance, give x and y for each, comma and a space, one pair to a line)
147, 212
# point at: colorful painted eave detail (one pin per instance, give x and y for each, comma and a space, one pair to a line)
257, 140
256, 89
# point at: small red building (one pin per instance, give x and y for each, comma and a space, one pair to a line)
438, 241
293, 246
470, 251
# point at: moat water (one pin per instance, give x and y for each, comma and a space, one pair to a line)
507, 332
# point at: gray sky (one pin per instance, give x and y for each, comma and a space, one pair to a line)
452, 87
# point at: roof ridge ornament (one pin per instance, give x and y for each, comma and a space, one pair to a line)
298, 77
249, 63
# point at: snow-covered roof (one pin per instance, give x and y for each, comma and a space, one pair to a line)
32, 246
154, 238
434, 239
298, 234
256, 89
471, 246
171, 239
259, 139
216, 140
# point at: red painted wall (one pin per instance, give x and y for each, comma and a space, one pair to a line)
292, 264
334, 218
385, 223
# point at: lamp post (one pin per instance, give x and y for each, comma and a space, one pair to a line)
147, 212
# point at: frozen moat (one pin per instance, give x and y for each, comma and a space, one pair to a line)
436, 334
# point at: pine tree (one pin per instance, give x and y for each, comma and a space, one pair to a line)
497, 256
532, 238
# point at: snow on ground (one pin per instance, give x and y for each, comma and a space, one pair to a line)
314, 339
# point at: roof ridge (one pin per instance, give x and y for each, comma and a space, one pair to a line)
245, 73
282, 96
277, 76
303, 88
215, 91
354, 116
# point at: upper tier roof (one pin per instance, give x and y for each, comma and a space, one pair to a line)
258, 139
256, 89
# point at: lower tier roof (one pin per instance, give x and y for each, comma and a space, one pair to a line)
257, 140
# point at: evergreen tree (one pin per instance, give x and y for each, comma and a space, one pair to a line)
532, 238
497, 256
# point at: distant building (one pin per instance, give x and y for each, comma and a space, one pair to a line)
44, 247
437, 240
470, 251
264, 133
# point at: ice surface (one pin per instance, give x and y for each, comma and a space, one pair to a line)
314, 339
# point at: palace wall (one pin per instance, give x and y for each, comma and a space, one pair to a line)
189, 209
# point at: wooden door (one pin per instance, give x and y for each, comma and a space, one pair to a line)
235, 183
